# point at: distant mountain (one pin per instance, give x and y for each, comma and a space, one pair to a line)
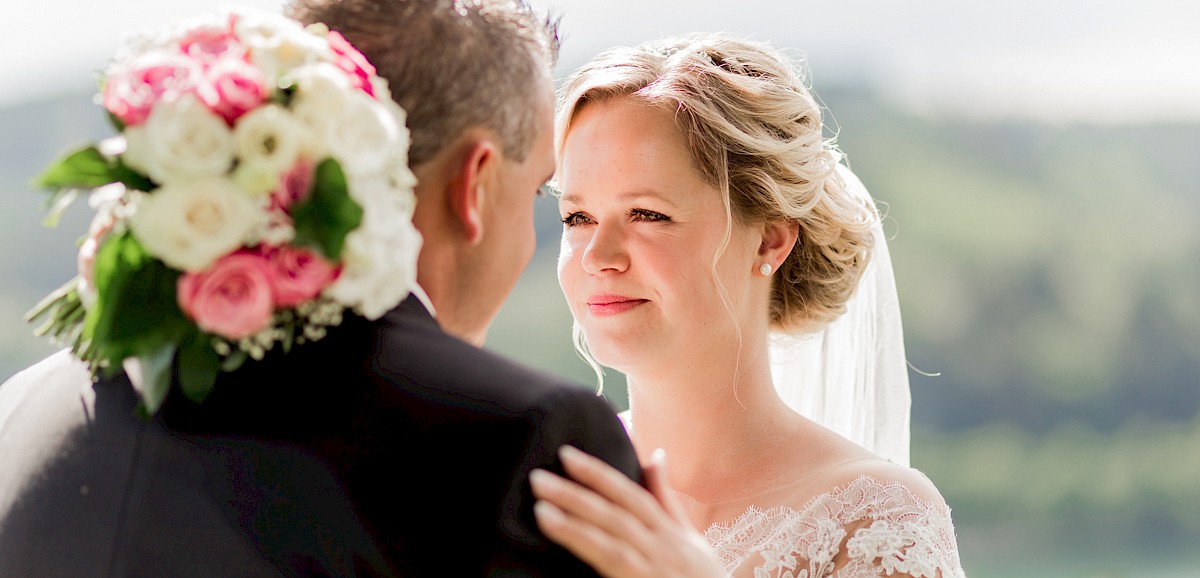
1049, 273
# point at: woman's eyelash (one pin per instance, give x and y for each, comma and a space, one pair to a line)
574, 219
578, 218
647, 215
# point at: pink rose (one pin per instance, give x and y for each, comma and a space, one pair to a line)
232, 298
239, 88
212, 44
132, 92
350, 60
294, 185
299, 274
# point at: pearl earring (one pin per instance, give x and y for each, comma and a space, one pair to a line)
765, 269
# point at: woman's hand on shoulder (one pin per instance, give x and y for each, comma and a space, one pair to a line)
615, 525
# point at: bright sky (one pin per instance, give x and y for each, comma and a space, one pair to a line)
1108, 61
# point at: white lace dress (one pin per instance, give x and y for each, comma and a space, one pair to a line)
863, 529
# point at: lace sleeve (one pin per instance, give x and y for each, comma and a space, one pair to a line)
865, 529
905, 536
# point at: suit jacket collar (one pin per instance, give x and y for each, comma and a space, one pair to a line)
419, 292
412, 309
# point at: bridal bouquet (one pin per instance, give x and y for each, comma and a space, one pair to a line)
257, 187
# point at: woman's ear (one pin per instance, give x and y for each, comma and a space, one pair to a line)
778, 239
466, 192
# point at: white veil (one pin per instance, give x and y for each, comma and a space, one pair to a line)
852, 377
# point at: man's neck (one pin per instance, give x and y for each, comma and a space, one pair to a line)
443, 262
444, 294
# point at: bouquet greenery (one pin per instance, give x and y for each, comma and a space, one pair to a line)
257, 187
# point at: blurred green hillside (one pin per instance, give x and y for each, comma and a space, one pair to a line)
1049, 274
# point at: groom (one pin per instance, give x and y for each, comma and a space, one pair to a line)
393, 447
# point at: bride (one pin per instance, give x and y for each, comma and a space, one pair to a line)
702, 211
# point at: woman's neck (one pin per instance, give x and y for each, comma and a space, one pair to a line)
718, 423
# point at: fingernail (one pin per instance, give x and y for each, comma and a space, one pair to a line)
541, 478
546, 512
658, 456
568, 452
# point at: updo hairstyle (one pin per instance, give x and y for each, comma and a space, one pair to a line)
754, 132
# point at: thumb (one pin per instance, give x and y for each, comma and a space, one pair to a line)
656, 482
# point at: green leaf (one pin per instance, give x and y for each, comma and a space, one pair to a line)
130, 178
136, 311
199, 365
155, 380
235, 360
85, 168
114, 120
284, 94
323, 221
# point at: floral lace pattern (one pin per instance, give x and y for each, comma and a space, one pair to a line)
897, 532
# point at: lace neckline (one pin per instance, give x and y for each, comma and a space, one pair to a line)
881, 527
754, 511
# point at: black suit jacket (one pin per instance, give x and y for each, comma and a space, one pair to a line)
387, 448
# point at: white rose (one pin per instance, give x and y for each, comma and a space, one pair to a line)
277, 44
378, 270
181, 140
362, 133
321, 89
382, 204
400, 117
403, 181
255, 179
391, 191
383, 92
365, 135
397, 168
189, 225
270, 136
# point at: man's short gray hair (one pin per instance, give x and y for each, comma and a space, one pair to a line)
452, 64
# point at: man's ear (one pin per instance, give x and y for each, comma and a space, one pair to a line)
466, 192
778, 240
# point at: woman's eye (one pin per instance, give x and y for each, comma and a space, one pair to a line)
647, 215
576, 219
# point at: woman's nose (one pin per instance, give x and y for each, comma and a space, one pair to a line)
605, 252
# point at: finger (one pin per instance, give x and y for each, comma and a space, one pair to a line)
656, 481
610, 483
596, 548
589, 507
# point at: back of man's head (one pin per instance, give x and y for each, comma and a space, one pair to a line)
452, 64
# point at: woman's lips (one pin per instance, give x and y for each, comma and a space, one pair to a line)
605, 305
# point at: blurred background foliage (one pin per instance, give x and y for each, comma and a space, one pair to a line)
1049, 274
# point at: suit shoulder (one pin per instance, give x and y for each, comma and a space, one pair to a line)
53, 394
435, 362
55, 366
66, 453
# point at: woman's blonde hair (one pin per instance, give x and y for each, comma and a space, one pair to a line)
754, 132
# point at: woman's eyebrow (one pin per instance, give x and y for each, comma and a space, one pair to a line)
633, 195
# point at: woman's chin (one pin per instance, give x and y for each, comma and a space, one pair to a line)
619, 354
